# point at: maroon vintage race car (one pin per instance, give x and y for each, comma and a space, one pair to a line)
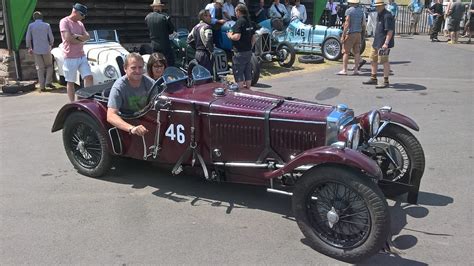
336, 166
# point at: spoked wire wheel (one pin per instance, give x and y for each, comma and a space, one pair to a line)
86, 145
338, 214
332, 49
341, 212
397, 165
401, 159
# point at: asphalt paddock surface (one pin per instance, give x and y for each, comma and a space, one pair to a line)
140, 214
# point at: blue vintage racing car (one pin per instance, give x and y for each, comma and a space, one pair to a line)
307, 38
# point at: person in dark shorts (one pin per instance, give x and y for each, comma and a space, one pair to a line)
470, 22
383, 41
242, 35
203, 40
160, 27
436, 10
455, 13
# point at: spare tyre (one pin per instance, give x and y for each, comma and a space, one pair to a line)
311, 59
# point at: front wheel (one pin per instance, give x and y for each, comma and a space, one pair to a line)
85, 145
332, 49
341, 212
401, 158
285, 54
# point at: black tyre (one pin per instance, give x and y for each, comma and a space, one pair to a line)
404, 148
85, 145
332, 49
310, 59
285, 54
255, 69
342, 213
56, 76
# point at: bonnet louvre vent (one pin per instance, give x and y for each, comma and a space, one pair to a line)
249, 136
252, 103
293, 140
295, 108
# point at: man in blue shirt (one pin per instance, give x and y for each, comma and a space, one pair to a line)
415, 7
39, 40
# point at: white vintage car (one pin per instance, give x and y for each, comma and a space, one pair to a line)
104, 54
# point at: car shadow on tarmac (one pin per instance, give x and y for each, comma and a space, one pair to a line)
401, 239
191, 189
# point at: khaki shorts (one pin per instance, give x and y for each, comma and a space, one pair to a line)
352, 42
375, 57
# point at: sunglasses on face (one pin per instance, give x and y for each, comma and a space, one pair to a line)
158, 66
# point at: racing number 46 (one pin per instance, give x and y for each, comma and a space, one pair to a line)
177, 134
299, 32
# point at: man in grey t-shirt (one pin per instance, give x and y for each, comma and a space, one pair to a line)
129, 94
351, 38
455, 13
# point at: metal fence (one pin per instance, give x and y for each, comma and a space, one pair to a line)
402, 23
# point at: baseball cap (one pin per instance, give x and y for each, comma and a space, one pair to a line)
82, 9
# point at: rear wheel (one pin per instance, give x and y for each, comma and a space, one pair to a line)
332, 49
85, 145
342, 213
56, 76
255, 69
285, 54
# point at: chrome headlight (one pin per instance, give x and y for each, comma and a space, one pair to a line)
353, 137
110, 72
374, 122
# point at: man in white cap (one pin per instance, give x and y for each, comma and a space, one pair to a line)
160, 27
383, 41
73, 35
354, 25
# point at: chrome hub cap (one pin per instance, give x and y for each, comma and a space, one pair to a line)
333, 217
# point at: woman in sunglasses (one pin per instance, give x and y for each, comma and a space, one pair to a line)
156, 65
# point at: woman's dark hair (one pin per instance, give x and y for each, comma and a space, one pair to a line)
155, 58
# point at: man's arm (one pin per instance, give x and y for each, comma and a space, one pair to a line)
50, 36
305, 16
387, 39
207, 38
28, 40
114, 119
72, 38
234, 36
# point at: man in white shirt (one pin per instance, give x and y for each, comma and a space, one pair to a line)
215, 9
278, 10
228, 10
299, 11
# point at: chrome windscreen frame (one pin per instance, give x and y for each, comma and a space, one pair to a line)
337, 120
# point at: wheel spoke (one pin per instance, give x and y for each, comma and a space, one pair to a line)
351, 227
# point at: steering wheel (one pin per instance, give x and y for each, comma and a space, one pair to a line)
155, 90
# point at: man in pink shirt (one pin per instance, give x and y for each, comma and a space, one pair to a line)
74, 34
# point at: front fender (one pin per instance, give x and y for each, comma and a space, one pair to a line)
324, 155
399, 119
394, 117
93, 108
